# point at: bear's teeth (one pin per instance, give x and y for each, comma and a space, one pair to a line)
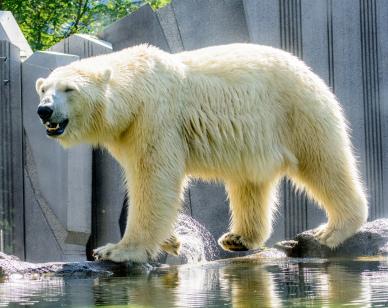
51, 128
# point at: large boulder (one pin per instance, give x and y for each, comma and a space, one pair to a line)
371, 240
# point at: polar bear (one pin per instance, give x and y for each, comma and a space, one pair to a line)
244, 114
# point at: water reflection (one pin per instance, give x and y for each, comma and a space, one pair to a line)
230, 283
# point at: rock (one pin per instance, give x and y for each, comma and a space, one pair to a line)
12, 265
371, 240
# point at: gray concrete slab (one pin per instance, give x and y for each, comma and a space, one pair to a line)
10, 31
41, 242
382, 39
108, 197
11, 153
370, 52
140, 27
206, 22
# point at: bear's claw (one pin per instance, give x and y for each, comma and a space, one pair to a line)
233, 242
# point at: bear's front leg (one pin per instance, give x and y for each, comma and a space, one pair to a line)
154, 189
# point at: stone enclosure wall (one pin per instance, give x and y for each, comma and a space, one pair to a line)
55, 203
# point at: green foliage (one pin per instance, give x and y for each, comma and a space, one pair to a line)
46, 22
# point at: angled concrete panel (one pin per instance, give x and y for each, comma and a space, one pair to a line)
60, 180
167, 20
82, 45
10, 31
206, 22
263, 22
138, 28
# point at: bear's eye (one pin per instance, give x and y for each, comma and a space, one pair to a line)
67, 90
43, 90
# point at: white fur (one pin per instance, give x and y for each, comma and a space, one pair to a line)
244, 114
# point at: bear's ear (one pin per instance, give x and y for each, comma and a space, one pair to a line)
38, 84
106, 75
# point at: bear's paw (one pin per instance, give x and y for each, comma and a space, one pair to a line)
120, 253
233, 242
332, 236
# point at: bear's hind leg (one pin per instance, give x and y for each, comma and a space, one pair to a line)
251, 221
335, 185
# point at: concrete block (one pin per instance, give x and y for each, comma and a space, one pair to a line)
11, 153
262, 18
10, 31
108, 197
60, 180
167, 20
41, 242
140, 27
371, 51
206, 22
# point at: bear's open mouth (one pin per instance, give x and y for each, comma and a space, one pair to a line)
55, 129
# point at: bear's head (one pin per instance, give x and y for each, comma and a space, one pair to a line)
72, 103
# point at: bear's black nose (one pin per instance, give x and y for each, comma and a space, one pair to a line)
45, 113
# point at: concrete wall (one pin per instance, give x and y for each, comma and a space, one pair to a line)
11, 151
57, 183
13, 48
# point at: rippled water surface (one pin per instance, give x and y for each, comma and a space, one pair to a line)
232, 283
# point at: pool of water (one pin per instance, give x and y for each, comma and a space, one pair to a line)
244, 282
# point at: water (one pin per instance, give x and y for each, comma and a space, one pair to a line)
197, 243
229, 283
241, 282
